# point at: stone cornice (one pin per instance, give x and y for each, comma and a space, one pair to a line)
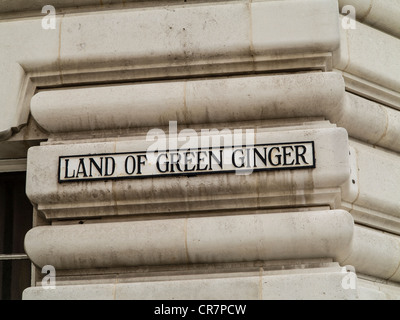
368, 59
218, 239
380, 14
131, 44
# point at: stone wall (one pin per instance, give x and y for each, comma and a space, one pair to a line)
316, 221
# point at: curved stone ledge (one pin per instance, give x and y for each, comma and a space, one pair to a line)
310, 284
14, 100
313, 234
371, 122
380, 14
218, 100
375, 253
374, 183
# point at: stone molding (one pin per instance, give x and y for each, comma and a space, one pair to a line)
193, 40
371, 193
286, 188
193, 240
375, 253
227, 100
219, 239
323, 282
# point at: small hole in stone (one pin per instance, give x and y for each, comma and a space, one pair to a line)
354, 181
81, 222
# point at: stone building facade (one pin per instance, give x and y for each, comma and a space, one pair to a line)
206, 149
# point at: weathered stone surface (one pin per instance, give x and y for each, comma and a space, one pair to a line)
375, 253
317, 283
380, 14
192, 39
369, 70
263, 65
190, 102
263, 237
218, 100
375, 180
161, 194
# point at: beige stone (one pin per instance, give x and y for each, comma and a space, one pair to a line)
377, 80
373, 289
308, 284
380, 14
78, 292
264, 65
268, 38
310, 187
241, 238
378, 180
192, 40
370, 194
218, 100
375, 253
188, 102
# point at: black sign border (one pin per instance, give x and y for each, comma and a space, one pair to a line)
189, 175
